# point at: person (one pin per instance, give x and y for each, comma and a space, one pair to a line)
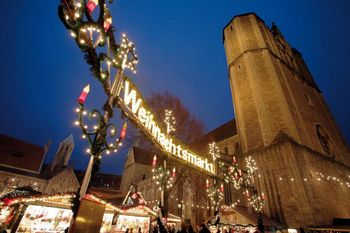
127, 230
183, 228
190, 229
155, 229
203, 228
140, 230
171, 229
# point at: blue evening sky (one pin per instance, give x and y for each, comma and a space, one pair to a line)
180, 47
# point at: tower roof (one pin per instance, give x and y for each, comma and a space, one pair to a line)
69, 140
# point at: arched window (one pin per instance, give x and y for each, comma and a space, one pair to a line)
226, 150
323, 139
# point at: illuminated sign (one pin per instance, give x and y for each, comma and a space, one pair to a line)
134, 103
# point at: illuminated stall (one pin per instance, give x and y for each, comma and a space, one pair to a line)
133, 213
40, 213
52, 213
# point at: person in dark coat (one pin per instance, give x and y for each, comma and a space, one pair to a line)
183, 228
203, 228
190, 229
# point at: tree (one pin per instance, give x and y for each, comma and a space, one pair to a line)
188, 129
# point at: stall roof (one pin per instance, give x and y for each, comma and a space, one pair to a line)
60, 199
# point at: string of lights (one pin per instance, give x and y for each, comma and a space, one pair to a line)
244, 178
215, 192
169, 121
214, 151
316, 176
64, 199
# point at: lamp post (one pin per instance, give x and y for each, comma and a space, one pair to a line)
90, 34
164, 179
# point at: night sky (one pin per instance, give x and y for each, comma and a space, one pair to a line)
180, 47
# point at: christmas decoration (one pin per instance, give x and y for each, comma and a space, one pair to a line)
154, 162
123, 132
84, 94
169, 121
91, 5
47, 198
163, 177
90, 34
214, 151
215, 192
244, 179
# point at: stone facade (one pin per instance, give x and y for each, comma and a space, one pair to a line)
285, 124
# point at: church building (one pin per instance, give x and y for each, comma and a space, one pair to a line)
283, 122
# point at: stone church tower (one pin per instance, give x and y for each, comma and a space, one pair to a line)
285, 124
63, 154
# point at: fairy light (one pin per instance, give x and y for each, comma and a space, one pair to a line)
215, 193
169, 121
163, 176
61, 199
214, 151
244, 178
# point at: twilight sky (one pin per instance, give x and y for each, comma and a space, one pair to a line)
179, 44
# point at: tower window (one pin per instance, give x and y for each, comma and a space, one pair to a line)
323, 139
309, 101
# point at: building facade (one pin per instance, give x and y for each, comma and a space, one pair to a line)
184, 199
284, 123
22, 165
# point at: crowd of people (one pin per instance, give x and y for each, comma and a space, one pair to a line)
185, 228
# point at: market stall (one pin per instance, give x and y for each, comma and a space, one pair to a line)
133, 213
39, 213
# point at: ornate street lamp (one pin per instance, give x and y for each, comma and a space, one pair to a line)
96, 40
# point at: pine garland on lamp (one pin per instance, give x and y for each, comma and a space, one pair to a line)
91, 34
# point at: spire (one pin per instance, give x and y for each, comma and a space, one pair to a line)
63, 154
69, 140
47, 146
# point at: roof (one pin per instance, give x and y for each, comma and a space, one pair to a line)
101, 180
143, 156
21, 155
222, 132
69, 140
